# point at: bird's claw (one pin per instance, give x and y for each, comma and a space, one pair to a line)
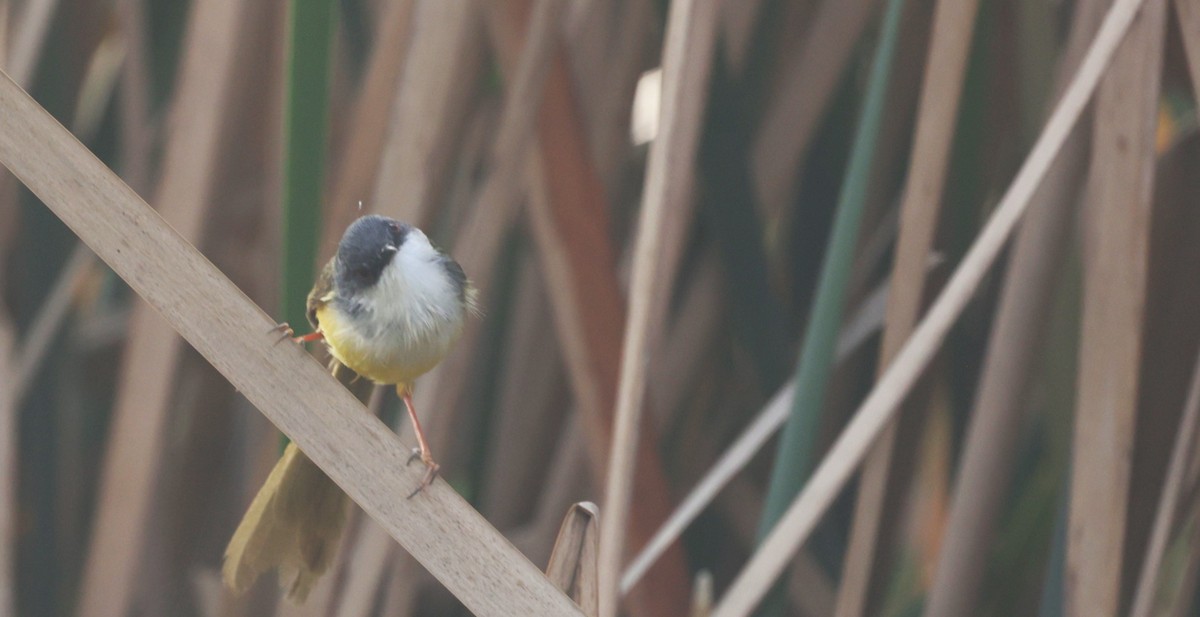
285, 329
431, 470
288, 333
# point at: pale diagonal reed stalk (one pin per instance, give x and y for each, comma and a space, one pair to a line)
883, 401
357, 450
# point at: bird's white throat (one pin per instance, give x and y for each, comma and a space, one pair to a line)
415, 298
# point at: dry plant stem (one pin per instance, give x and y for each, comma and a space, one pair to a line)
732, 461
135, 153
689, 344
29, 35
372, 553
134, 99
566, 483
582, 294
809, 587
8, 469
1189, 25
358, 571
570, 225
737, 22
49, 318
8, 398
359, 159
702, 595
810, 75
747, 445
502, 189
368, 561
881, 404
519, 118
1168, 503
129, 474
663, 221
397, 593
1116, 255
1014, 342
607, 66
1184, 598
572, 565
294, 391
953, 26
21, 40
1180, 591
439, 69
527, 405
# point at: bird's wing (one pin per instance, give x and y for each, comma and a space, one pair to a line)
462, 285
322, 293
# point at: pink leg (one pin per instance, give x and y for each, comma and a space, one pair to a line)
431, 467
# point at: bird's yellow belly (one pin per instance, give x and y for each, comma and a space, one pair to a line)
391, 358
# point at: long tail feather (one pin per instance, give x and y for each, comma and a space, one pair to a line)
294, 524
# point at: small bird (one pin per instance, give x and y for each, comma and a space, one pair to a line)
389, 306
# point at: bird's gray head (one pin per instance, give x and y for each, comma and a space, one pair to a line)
367, 247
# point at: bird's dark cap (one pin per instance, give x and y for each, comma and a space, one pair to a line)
366, 249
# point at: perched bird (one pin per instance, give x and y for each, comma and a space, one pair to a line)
389, 306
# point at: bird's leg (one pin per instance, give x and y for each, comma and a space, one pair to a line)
289, 333
431, 467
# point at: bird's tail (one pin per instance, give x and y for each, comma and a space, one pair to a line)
294, 524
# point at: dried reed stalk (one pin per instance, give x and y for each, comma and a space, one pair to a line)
1116, 255
29, 38
1189, 26
1185, 598
570, 224
354, 177
663, 223
444, 58
372, 554
8, 468
528, 408
566, 483
134, 100
737, 21
953, 26
880, 405
607, 64
572, 565
1169, 501
46, 325
130, 470
1014, 342
689, 344
812, 65
865, 321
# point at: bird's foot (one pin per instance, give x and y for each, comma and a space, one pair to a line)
288, 333
431, 469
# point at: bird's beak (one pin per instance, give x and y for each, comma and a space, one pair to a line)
388, 248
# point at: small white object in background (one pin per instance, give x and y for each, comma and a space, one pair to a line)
643, 125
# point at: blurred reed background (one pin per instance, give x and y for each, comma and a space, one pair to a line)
817, 171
